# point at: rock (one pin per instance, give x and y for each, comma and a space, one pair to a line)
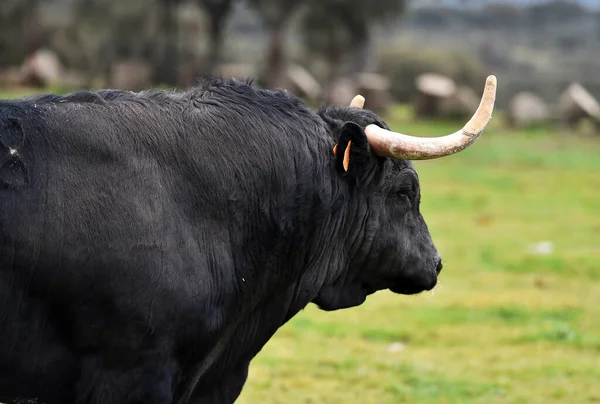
526, 109
396, 347
432, 90
575, 104
41, 69
341, 91
374, 87
541, 248
376, 90
461, 104
435, 85
303, 83
130, 75
239, 70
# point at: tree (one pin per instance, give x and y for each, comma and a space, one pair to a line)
167, 59
277, 16
326, 37
12, 43
21, 31
218, 11
556, 11
342, 28
93, 44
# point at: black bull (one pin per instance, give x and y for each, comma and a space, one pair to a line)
152, 243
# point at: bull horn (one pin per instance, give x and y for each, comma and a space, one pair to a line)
386, 143
358, 101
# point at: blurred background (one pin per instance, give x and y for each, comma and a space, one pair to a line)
516, 217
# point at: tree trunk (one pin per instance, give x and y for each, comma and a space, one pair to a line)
215, 36
32, 30
276, 59
364, 59
277, 16
167, 71
335, 53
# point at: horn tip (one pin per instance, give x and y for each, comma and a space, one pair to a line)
358, 101
491, 81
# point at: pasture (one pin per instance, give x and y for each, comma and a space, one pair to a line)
508, 323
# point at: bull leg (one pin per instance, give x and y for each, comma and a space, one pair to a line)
226, 391
121, 379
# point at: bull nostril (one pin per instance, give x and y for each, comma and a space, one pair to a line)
439, 267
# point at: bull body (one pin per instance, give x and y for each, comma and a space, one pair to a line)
152, 243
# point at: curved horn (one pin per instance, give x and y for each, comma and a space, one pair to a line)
404, 147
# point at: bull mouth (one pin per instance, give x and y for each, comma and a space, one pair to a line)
407, 288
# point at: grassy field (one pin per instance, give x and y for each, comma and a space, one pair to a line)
505, 324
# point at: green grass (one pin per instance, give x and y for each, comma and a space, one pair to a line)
504, 325
24, 92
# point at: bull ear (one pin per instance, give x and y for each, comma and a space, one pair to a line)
352, 152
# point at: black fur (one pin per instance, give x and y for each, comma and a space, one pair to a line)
152, 243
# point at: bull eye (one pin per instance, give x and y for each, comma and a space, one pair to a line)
407, 190
404, 196
403, 192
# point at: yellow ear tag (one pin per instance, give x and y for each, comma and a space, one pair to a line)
347, 156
